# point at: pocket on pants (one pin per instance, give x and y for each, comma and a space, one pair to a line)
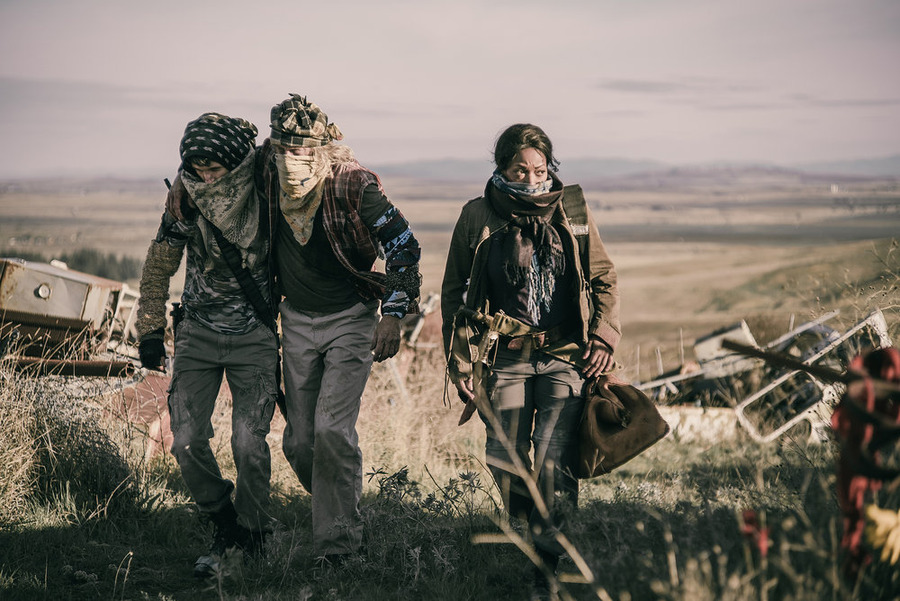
265, 409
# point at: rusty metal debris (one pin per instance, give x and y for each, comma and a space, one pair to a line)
765, 400
55, 321
74, 367
55, 314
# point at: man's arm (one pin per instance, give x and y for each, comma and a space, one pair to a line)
402, 281
163, 259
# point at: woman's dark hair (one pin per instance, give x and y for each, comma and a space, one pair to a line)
519, 137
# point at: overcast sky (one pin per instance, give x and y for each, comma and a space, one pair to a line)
106, 87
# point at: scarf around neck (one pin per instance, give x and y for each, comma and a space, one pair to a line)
300, 213
532, 252
230, 203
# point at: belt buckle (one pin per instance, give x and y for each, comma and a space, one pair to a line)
535, 341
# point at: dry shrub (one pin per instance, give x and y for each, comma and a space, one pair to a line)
405, 422
17, 451
54, 448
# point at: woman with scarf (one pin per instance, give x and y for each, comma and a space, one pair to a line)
221, 334
530, 309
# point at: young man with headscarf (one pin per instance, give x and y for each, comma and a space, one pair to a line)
331, 221
221, 333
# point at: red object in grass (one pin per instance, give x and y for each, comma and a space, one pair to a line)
753, 533
855, 435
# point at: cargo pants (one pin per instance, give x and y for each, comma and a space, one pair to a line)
248, 362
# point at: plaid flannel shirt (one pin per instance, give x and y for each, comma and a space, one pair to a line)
355, 244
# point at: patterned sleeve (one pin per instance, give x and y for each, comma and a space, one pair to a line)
401, 253
163, 259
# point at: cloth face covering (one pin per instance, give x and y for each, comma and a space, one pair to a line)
301, 192
521, 189
298, 175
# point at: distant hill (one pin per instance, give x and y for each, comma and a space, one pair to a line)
602, 173
459, 170
716, 176
612, 172
83, 185
881, 167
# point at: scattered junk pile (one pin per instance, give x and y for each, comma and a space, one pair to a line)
57, 322
783, 389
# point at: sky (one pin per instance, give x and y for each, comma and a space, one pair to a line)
105, 87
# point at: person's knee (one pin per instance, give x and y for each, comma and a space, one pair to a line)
334, 439
187, 448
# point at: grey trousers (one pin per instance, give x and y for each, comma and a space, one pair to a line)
327, 360
538, 404
202, 358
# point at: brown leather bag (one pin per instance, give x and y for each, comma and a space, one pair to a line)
619, 422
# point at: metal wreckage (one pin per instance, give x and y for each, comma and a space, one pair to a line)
78, 329
786, 387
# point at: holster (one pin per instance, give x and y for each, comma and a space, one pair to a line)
177, 314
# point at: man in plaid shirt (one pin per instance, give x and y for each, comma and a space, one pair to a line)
332, 219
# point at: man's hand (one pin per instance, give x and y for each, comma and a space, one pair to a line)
178, 201
387, 338
465, 389
598, 357
152, 352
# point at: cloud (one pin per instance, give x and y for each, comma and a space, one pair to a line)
809, 101
643, 86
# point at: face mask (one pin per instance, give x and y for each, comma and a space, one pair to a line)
524, 189
298, 175
520, 188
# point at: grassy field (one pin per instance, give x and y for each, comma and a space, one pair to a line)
84, 514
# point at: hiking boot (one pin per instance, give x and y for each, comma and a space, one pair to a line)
544, 588
228, 536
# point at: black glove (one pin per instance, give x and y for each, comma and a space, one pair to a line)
152, 352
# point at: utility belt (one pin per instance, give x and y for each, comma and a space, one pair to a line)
539, 339
501, 330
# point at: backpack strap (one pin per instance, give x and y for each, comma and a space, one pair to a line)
232, 256
264, 310
576, 211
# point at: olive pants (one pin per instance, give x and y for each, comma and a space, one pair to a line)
202, 358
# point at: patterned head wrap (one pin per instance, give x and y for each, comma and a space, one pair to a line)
296, 122
216, 137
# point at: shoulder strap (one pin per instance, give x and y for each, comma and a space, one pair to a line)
232, 256
576, 211
264, 311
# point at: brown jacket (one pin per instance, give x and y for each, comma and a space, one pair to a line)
594, 290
